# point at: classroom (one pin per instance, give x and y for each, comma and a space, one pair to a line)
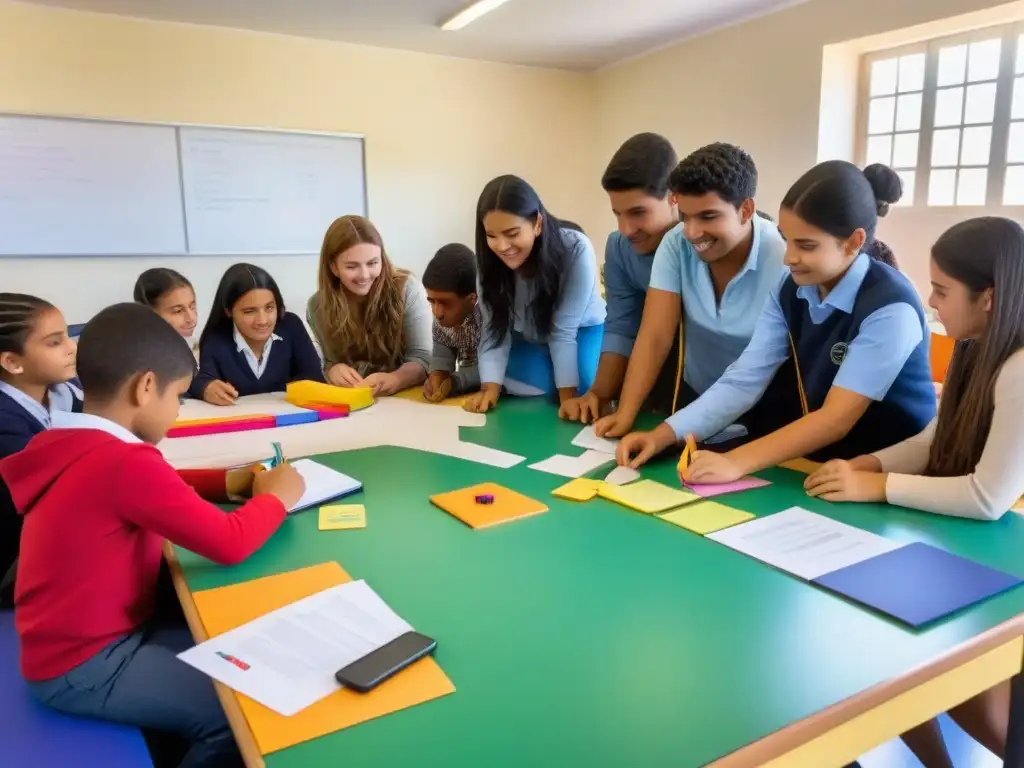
512, 382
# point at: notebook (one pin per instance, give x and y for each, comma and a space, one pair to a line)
917, 583
322, 484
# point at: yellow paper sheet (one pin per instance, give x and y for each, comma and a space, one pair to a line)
706, 517
415, 395
342, 517
225, 608
647, 496
580, 489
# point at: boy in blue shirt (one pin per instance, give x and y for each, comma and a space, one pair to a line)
721, 264
636, 181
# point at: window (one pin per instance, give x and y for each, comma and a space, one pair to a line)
948, 116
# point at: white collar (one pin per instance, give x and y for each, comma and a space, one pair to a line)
65, 420
61, 397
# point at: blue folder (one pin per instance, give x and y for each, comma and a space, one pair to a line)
918, 583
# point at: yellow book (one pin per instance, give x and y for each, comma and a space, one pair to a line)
342, 517
706, 517
580, 489
647, 496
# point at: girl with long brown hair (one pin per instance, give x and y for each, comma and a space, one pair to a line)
372, 321
970, 460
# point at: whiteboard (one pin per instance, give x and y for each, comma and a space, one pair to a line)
263, 192
88, 188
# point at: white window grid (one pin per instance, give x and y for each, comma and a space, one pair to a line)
948, 115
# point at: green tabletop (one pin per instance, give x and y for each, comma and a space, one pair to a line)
593, 635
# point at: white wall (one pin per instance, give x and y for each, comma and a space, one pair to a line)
437, 129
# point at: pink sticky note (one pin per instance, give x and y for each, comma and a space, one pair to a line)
707, 490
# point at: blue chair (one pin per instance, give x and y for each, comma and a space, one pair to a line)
75, 330
36, 736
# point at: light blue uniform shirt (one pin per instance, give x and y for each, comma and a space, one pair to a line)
718, 332
874, 359
626, 277
578, 305
61, 397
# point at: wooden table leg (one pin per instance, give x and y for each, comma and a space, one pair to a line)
1014, 757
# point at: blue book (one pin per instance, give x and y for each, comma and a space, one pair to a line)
918, 583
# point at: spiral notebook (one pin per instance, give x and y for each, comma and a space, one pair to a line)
322, 484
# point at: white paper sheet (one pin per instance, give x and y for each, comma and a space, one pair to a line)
391, 421
286, 660
622, 475
322, 484
573, 466
587, 439
803, 543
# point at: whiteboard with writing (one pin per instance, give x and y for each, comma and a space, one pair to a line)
89, 188
264, 192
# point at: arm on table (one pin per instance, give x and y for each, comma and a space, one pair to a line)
575, 292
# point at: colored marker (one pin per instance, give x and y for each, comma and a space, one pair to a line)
278, 459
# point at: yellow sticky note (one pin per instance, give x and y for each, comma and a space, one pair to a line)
647, 496
341, 517
580, 489
706, 517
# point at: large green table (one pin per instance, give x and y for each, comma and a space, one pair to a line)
597, 636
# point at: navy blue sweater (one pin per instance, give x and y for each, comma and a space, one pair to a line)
294, 358
908, 406
18, 426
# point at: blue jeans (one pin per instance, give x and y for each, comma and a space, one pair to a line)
138, 680
530, 372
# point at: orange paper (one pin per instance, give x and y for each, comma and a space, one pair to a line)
508, 505
225, 608
801, 465
415, 395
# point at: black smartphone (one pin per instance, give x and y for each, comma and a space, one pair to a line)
377, 666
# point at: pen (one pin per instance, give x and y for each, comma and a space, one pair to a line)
278, 459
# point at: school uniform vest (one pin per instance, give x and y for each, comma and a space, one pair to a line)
907, 407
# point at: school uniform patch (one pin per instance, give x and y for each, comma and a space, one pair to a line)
838, 353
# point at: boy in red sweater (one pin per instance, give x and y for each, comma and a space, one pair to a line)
98, 501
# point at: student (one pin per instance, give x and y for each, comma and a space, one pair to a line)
37, 369
969, 462
98, 500
450, 281
854, 326
714, 273
170, 295
251, 345
636, 181
542, 313
372, 321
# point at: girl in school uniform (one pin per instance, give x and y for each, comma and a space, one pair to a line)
371, 320
542, 315
37, 378
170, 295
854, 325
251, 345
969, 462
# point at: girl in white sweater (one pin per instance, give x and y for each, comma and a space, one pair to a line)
969, 462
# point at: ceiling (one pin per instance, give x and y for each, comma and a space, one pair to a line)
570, 34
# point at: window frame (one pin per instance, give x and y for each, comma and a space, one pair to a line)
1011, 36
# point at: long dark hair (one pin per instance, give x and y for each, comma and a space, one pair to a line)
18, 315
238, 281
839, 198
510, 194
154, 283
983, 253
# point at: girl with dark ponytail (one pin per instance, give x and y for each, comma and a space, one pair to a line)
854, 325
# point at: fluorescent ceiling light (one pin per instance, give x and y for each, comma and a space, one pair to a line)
470, 14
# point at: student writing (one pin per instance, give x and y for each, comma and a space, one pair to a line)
715, 273
372, 321
98, 500
854, 326
637, 183
541, 306
450, 282
251, 344
170, 295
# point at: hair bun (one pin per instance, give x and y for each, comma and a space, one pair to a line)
886, 184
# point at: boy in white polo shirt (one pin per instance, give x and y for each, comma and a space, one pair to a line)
718, 266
